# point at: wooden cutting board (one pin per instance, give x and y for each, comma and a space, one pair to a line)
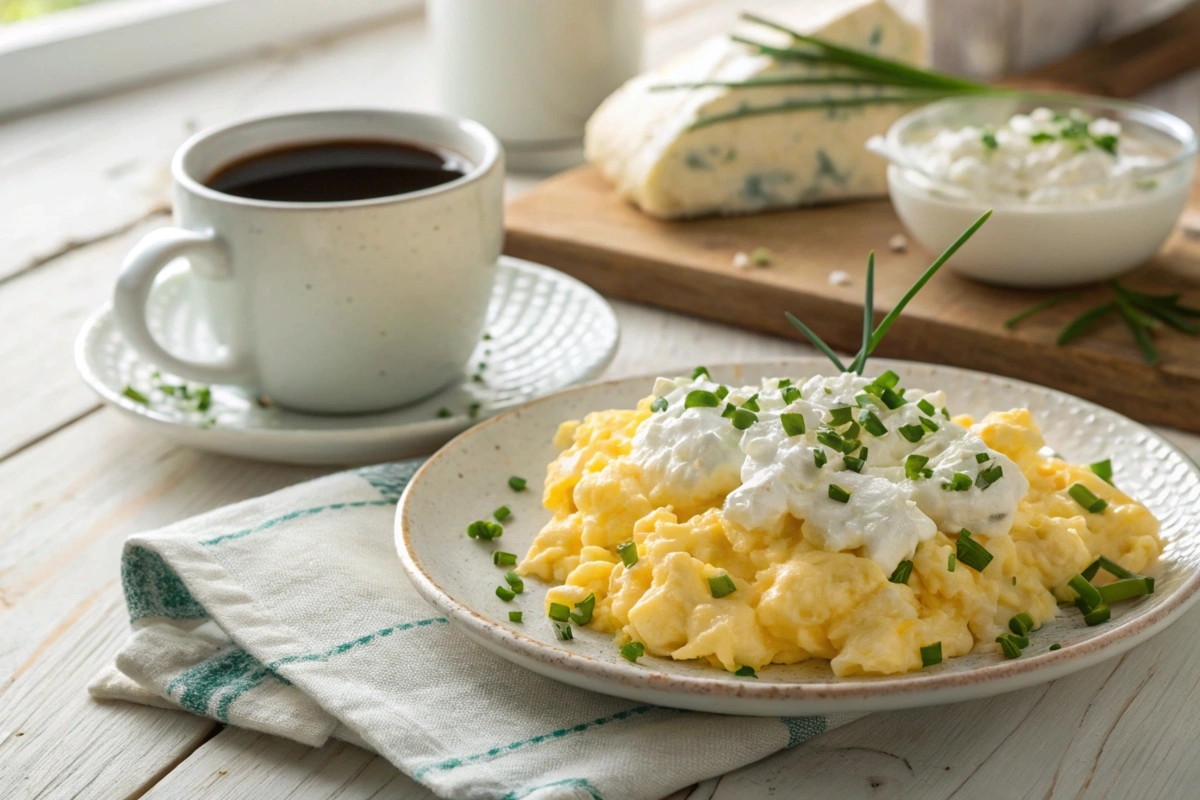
576, 223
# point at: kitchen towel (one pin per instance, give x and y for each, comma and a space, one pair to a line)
289, 614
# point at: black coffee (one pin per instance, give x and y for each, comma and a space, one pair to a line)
324, 172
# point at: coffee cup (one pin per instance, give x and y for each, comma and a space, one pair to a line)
344, 259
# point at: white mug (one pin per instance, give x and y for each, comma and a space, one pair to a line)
328, 307
533, 71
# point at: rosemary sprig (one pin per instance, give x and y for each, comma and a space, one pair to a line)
871, 339
1142, 314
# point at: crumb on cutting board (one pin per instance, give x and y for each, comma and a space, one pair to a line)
898, 243
839, 278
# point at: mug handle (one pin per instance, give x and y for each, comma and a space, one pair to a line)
148, 258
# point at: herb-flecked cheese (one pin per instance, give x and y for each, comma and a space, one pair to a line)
642, 140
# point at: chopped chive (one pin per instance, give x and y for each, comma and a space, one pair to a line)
830, 439
745, 672
743, 419
1055, 646
699, 398
1009, 645
515, 616
721, 585
926, 406
505, 594
828, 390
1014, 580
851, 432
912, 432
892, 399
559, 612
444, 412
632, 651
487, 337
961, 482
791, 394
1125, 589
872, 424
783, 382
503, 559
698, 371
628, 553
1085, 498
485, 529
971, 552
514, 580
1097, 615
502, 513
945, 413
582, 614
987, 477
850, 445
854, 464
563, 631
136, 396
841, 416
931, 654
730, 410
1112, 568
660, 404
1021, 624
819, 457
793, 424
1089, 594
838, 493
981, 458
950, 563
516, 484
722, 392
989, 139
929, 425
902, 571
887, 379
473, 410
203, 398
752, 403
1103, 469
913, 465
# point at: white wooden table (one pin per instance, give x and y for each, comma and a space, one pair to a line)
79, 185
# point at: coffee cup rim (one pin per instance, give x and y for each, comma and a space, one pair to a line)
492, 154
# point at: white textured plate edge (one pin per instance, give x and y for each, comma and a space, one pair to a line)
724, 695
316, 447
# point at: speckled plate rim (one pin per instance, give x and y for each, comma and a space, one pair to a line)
735, 696
331, 436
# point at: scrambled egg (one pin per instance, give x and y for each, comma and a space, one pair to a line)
793, 599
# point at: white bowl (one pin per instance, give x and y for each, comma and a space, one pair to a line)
1040, 245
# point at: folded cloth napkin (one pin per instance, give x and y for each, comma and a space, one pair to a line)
289, 614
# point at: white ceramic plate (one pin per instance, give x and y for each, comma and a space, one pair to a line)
548, 331
466, 480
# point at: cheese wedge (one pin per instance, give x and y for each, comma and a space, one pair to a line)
641, 139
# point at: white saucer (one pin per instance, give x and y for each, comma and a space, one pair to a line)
547, 331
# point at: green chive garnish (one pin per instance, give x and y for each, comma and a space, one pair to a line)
926, 406
559, 612
971, 552
485, 529
929, 425
516, 484
851, 432
931, 654
838, 493
816, 340
722, 392
830, 439
473, 410
628, 553
563, 631
505, 594
1055, 646
961, 482
632, 651
912, 432
854, 464
659, 405
1021, 624
793, 424
721, 585
783, 382
730, 410
1124, 589
791, 394
950, 563
1103, 469
1097, 615
745, 672
841, 416
503, 559
914, 467
515, 616
819, 457
582, 614
987, 477
514, 580
444, 412
1009, 644
872, 424
1085, 498
698, 371
742, 419
752, 403
902, 571
136, 396
1089, 594
699, 398
981, 458
502, 513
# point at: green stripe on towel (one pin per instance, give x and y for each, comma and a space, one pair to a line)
305, 512
152, 589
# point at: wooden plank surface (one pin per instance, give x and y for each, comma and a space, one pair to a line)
75, 481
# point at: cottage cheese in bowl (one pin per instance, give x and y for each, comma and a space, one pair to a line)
1082, 188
